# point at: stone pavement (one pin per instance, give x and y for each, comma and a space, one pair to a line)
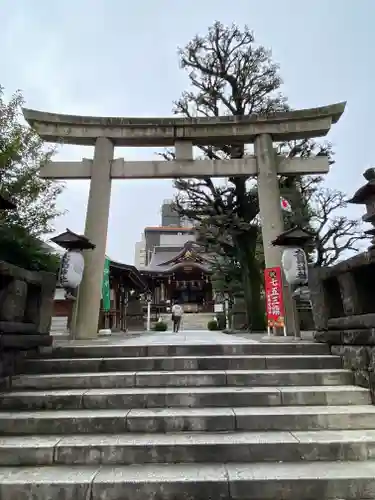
184, 337
187, 337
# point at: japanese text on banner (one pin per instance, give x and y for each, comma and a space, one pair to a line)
274, 297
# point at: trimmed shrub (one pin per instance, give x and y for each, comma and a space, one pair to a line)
160, 326
213, 325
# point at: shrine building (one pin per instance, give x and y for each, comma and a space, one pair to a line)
175, 267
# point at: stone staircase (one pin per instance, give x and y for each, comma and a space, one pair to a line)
59, 325
233, 421
191, 321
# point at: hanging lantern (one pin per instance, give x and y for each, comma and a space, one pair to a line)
294, 264
71, 269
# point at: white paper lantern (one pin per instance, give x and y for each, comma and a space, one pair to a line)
71, 271
294, 264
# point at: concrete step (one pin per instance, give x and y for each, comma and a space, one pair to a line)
252, 378
162, 420
177, 363
172, 397
191, 321
59, 324
102, 350
261, 481
129, 449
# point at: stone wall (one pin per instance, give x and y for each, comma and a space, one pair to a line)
343, 299
26, 305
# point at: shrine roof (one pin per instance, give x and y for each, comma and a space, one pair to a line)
131, 272
168, 259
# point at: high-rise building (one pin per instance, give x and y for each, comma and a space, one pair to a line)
169, 215
140, 253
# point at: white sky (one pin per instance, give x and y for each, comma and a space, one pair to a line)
110, 57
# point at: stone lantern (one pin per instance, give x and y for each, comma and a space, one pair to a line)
366, 196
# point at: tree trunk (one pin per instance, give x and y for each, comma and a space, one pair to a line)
258, 307
251, 281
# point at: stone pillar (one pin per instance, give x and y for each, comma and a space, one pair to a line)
349, 295
318, 296
184, 150
272, 217
88, 306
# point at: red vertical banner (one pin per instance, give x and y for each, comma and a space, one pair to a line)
273, 287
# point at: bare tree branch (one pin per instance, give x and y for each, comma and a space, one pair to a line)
336, 235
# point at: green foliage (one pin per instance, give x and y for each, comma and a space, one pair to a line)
22, 153
160, 326
18, 247
213, 325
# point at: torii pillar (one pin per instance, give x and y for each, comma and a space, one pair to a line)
96, 228
272, 220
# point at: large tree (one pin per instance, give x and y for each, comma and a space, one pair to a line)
229, 74
21, 154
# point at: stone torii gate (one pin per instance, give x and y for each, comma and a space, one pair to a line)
106, 133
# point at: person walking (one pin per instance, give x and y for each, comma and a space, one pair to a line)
177, 313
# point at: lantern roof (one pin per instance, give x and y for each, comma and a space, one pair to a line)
364, 193
73, 241
294, 237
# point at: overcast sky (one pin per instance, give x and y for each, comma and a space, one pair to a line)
119, 58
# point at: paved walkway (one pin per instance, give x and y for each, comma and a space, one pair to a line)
162, 338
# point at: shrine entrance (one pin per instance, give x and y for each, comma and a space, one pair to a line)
106, 133
192, 289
